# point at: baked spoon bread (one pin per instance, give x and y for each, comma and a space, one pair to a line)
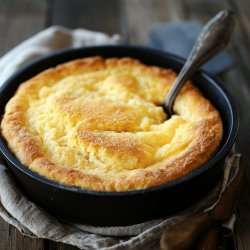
98, 124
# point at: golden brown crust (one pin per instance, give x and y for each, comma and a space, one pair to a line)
94, 123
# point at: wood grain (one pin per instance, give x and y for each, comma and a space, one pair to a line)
238, 78
139, 17
96, 15
19, 19
133, 19
17, 23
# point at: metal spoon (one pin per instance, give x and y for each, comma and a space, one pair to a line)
213, 38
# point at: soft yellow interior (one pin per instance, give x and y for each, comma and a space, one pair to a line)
106, 121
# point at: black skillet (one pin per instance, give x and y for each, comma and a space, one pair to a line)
122, 208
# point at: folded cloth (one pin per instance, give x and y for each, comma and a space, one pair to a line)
179, 37
33, 221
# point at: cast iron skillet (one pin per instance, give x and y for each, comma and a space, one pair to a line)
121, 208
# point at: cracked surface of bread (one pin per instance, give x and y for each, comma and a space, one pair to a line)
97, 124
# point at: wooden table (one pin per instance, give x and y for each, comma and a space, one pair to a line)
20, 19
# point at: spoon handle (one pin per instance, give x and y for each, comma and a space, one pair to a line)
213, 38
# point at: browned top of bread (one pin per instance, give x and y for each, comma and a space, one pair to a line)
97, 124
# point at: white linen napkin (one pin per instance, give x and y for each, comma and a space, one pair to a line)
33, 221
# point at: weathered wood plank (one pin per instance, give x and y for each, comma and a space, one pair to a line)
133, 19
139, 16
96, 15
237, 80
51, 245
19, 19
16, 240
242, 230
4, 235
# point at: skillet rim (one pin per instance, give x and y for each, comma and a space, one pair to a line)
224, 149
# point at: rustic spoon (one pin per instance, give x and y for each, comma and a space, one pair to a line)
213, 38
